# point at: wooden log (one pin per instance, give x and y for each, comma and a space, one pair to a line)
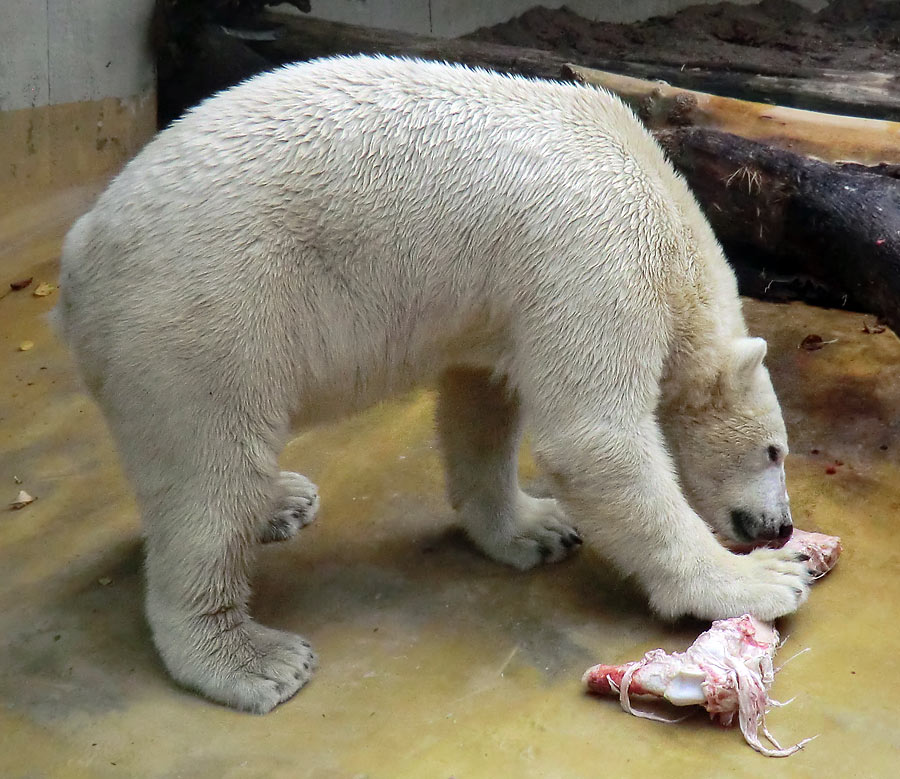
803, 215
827, 137
867, 94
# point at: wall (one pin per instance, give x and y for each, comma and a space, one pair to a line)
449, 18
77, 92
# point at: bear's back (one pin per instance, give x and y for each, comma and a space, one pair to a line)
354, 162
366, 116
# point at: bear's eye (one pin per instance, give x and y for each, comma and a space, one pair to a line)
774, 454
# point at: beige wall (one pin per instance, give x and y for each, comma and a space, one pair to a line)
77, 92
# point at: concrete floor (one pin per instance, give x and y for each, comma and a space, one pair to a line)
434, 661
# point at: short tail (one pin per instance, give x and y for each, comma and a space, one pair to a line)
73, 253
70, 319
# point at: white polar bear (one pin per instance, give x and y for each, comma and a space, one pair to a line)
330, 234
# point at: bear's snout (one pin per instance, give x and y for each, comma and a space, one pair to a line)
762, 527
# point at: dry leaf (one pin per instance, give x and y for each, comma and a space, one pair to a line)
15, 286
26, 345
43, 289
873, 329
21, 501
814, 342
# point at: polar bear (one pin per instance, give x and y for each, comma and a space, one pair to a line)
335, 232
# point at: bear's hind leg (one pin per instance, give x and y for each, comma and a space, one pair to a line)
479, 424
205, 475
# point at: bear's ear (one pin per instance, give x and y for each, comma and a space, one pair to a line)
747, 354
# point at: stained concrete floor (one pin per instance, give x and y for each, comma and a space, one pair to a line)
434, 661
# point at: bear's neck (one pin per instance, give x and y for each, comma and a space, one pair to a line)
706, 319
705, 312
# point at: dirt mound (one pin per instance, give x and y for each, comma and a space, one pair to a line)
776, 37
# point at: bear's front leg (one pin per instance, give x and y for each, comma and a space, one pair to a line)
620, 486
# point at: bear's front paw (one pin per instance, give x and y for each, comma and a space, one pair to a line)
772, 582
538, 533
296, 508
244, 665
767, 583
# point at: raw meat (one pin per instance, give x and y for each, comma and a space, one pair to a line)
823, 550
728, 670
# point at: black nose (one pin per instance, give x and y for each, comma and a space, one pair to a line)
766, 534
747, 527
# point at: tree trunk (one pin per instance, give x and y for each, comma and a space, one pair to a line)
307, 38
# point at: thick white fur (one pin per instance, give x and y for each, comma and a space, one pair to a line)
332, 233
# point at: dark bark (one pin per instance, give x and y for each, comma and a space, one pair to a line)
216, 61
798, 216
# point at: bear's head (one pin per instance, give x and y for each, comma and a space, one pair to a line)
729, 443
